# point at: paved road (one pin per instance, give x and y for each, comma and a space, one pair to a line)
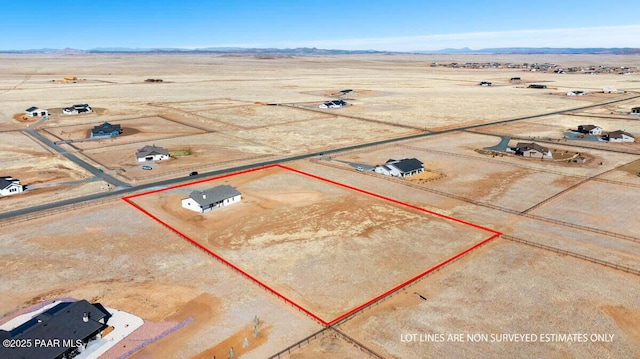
124, 188
94, 171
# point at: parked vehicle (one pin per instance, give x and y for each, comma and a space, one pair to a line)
194, 173
145, 167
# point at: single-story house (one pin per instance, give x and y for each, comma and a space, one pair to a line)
64, 329
152, 153
333, 104
400, 168
33, 111
531, 149
207, 200
635, 110
9, 186
576, 93
590, 129
106, 130
485, 83
76, 109
619, 136
537, 86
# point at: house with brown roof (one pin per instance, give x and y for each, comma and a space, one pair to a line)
590, 129
619, 136
532, 149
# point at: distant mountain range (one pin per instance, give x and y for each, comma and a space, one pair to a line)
316, 51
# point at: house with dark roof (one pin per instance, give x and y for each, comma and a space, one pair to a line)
152, 153
400, 168
619, 136
210, 199
532, 149
333, 104
106, 130
34, 111
9, 186
62, 330
590, 129
77, 109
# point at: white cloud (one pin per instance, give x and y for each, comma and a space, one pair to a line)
603, 36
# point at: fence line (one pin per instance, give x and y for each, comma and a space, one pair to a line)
299, 344
358, 344
489, 205
572, 254
57, 210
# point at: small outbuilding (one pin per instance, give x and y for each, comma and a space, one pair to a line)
590, 129
635, 110
400, 168
34, 111
152, 153
106, 130
210, 199
9, 186
619, 136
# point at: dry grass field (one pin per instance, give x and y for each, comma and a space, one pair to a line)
288, 225
508, 288
323, 246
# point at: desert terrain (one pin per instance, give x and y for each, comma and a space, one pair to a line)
334, 261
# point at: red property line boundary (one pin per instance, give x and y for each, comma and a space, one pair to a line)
494, 235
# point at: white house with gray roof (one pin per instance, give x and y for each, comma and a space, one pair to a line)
210, 199
152, 153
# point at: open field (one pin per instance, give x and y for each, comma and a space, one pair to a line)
354, 237
491, 292
325, 247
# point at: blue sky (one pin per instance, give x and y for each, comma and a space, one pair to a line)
350, 24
